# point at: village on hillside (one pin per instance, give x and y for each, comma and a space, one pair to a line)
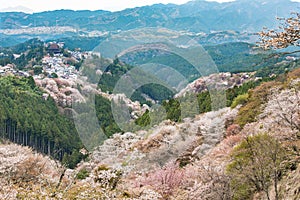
57, 62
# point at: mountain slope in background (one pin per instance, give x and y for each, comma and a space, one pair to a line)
196, 16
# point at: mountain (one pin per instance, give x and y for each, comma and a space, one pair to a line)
195, 16
49, 18
206, 22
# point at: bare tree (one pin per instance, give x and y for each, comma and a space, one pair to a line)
214, 184
286, 105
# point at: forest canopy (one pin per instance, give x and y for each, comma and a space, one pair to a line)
29, 119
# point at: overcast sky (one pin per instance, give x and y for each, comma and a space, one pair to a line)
112, 5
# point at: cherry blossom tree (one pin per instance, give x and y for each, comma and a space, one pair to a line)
165, 180
287, 35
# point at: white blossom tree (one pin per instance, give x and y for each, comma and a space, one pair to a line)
287, 35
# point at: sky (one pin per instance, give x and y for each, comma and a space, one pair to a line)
111, 5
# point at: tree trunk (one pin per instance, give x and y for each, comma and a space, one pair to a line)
276, 185
49, 147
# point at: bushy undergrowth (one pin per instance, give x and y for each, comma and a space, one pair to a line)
257, 98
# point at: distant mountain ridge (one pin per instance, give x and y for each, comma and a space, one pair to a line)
194, 16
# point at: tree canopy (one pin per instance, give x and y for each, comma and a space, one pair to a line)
287, 35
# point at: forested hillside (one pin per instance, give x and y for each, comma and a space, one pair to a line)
250, 150
31, 119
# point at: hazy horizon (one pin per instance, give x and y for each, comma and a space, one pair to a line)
32, 6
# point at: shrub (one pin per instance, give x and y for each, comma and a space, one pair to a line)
253, 107
54, 75
29, 170
85, 191
233, 130
108, 178
240, 100
144, 120
82, 174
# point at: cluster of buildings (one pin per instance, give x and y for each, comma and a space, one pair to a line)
55, 63
9, 69
38, 30
59, 65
